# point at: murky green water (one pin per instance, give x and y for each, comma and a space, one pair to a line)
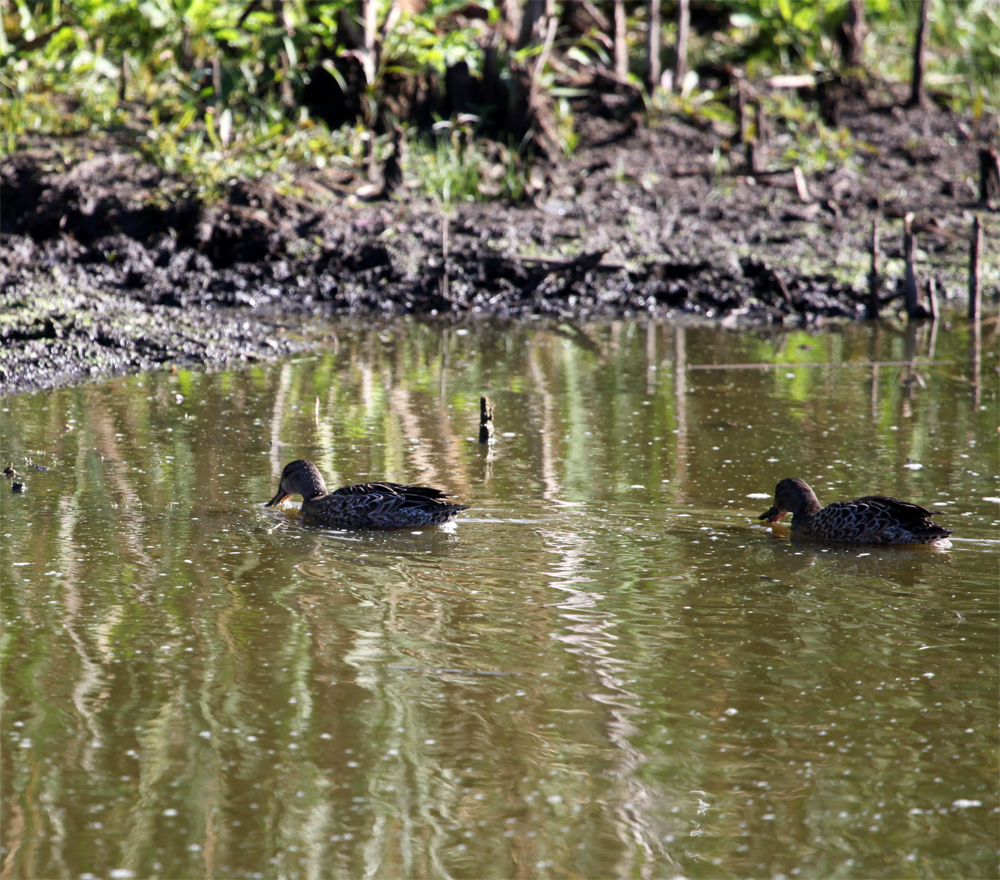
607, 668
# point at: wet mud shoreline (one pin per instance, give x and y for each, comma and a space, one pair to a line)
107, 265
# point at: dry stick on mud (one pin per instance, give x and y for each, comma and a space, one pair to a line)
621, 41
653, 47
989, 179
756, 145
800, 185
543, 57
739, 86
853, 31
123, 81
917, 84
786, 294
763, 127
874, 302
975, 248
683, 29
368, 58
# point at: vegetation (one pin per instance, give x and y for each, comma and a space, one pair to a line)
226, 88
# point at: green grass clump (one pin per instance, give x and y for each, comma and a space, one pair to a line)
453, 166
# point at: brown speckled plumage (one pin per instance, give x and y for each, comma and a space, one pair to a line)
364, 505
874, 519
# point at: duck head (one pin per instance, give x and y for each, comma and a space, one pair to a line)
299, 478
793, 496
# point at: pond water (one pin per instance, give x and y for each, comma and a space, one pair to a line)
608, 667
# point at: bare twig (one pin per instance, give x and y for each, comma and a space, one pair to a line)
444, 256
371, 40
757, 145
621, 44
800, 185
792, 81
917, 83
600, 19
123, 81
683, 30
550, 35
653, 47
553, 263
932, 302
740, 87
786, 294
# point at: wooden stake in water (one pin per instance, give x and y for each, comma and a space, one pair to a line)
444, 256
485, 420
909, 246
874, 302
975, 248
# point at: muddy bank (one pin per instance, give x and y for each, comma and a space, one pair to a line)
108, 265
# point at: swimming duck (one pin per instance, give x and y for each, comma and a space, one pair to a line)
874, 519
365, 505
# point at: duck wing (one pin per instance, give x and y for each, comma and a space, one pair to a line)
903, 511
387, 491
386, 505
879, 519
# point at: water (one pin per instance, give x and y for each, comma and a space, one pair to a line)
607, 667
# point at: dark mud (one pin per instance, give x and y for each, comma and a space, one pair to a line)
108, 265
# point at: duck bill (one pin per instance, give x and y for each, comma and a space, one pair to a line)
277, 499
772, 515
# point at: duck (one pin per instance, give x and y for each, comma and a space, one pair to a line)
874, 519
363, 505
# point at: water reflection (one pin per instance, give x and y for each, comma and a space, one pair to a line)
606, 667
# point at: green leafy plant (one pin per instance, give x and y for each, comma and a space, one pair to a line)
215, 88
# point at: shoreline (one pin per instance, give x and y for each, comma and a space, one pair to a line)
109, 265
